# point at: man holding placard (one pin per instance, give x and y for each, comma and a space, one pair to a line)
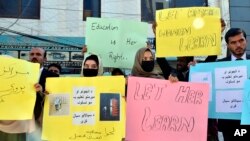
236, 43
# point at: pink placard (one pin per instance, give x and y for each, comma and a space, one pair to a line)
158, 110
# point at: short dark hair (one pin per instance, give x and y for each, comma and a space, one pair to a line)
189, 59
117, 70
55, 65
233, 32
92, 57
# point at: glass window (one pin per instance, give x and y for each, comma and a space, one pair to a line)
147, 12
91, 8
189, 3
149, 7
159, 5
26, 9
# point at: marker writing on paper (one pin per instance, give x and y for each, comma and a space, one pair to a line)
84, 96
131, 42
93, 134
170, 15
171, 123
185, 31
200, 12
101, 26
81, 118
114, 57
148, 91
10, 72
233, 76
197, 42
14, 89
233, 103
186, 95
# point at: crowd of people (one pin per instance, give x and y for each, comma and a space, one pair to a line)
145, 64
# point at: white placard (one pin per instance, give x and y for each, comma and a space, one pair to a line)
229, 101
83, 118
230, 77
84, 95
203, 77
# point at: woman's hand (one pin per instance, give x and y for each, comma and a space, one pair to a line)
84, 49
192, 63
173, 78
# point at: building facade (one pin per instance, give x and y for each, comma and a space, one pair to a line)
59, 25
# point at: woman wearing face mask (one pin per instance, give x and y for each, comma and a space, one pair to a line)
144, 64
91, 66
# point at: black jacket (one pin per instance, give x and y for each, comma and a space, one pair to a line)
226, 125
39, 99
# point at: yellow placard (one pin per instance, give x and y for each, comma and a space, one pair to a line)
17, 93
84, 109
192, 31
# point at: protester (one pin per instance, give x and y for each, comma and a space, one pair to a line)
91, 66
55, 68
38, 55
144, 64
236, 40
117, 71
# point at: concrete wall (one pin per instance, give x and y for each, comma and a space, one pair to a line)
65, 17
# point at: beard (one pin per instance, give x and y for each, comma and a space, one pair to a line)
239, 51
34, 60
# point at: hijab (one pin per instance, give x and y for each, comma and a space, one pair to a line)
97, 60
137, 69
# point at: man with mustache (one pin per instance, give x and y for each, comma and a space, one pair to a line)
38, 55
237, 44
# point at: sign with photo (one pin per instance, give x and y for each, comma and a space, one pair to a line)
84, 108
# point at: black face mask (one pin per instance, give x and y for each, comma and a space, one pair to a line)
147, 66
90, 72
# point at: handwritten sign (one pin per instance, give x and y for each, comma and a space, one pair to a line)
188, 32
229, 101
203, 77
17, 93
233, 77
84, 96
166, 111
80, 118
87, 108
115, 41
245, 120
227, 85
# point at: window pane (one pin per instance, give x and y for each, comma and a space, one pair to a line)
147, 13
159, 5
9, 8
30, 8
91, 8
149, 7
87, 4
96, 8
189, 3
